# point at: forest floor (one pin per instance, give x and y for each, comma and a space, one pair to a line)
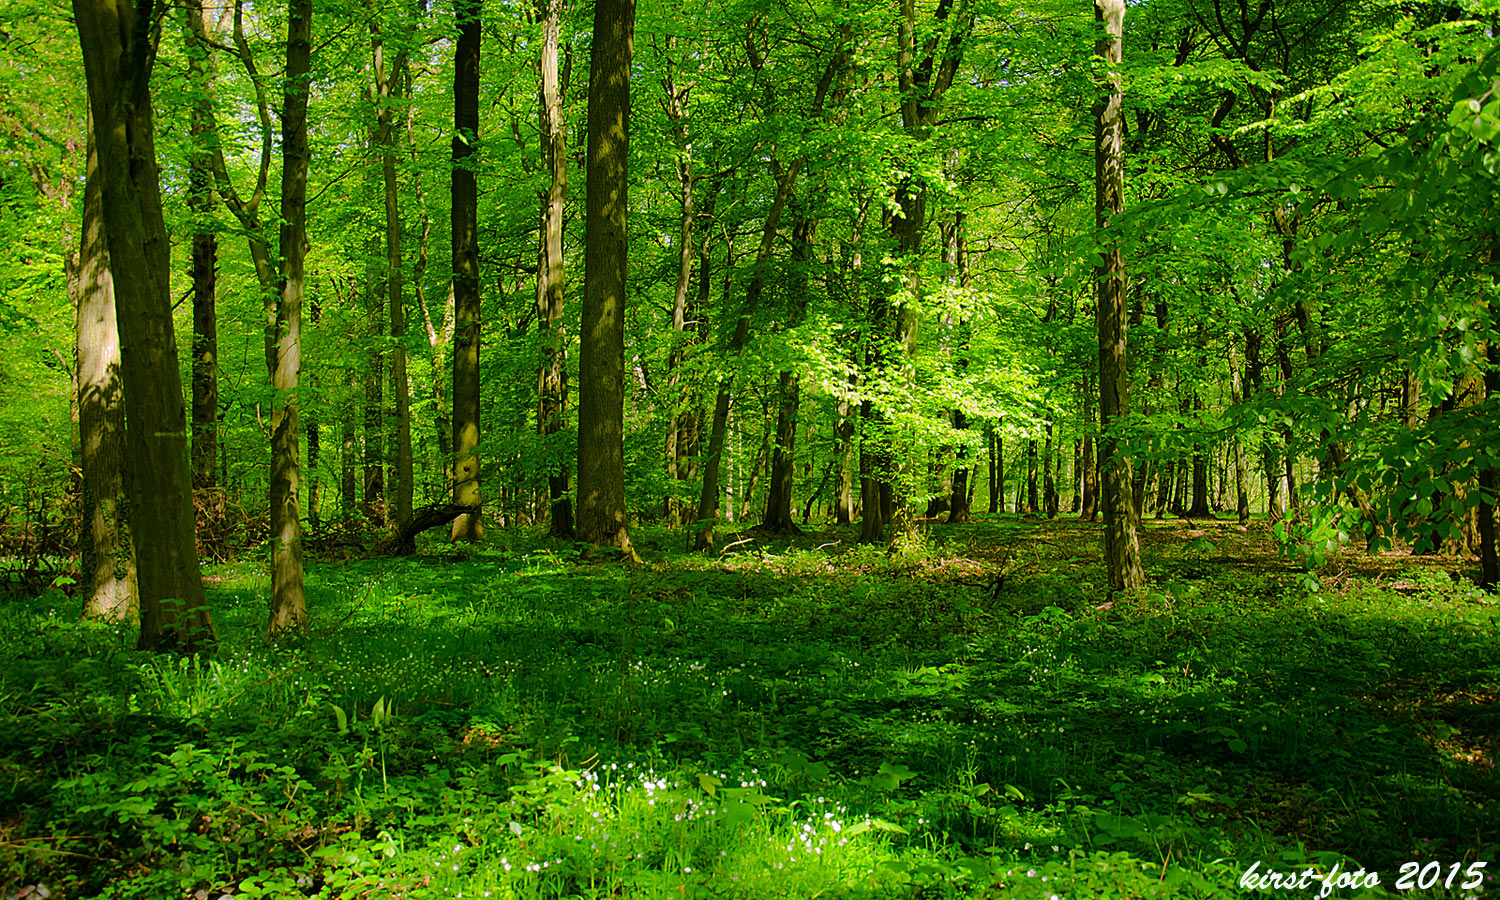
972, 716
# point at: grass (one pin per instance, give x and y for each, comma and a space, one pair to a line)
970, 717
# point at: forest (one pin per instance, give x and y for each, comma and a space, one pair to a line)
735, 449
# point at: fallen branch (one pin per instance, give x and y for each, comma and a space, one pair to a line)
403, 541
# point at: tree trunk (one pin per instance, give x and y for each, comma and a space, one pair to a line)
844, 510
465, 235
789, 390
997, 471
160, 478
205, 252
386, 86
1489, 482
601, 463
1241, 478
374, 378
1075, 506
708, 500
552, 374
1121, 547
288, 600
1049, 482
1033, 498
108, 577
958, 504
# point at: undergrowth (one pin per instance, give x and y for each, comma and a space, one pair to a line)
970, 717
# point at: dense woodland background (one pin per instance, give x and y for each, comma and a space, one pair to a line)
1052, 448
862, 265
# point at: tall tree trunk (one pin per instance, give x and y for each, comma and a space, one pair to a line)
108, 578
205, 252
789, 389
601, 397
958, 504
465, 234
288, 600
1121, 547
118, 52
552, 374
680, 393
387, 83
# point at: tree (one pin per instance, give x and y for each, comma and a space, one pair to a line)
119, 48
205, 255
552, 374
465, 222
601, 390
1122, 552
109, 564
288, 599
387, 83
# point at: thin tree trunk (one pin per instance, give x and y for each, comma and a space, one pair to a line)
108, 577
386, 87
1033, 498
682, 330
1489, 482
157, 447
1049, 483
374, 379
997, 470
1241, 477
601, 463
1121, 547
552, 374
466, 297
789, 389
204, 262
1075, 506
288, 600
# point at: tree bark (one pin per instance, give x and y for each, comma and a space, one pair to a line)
1489, 483
108, 577
1121, 547
374, 379
683, 330
1049, 482
1241, 477
118, 50
288, 599
387, 84
789, 389
1033, 497
552, 374
601, 463
997, 469
465, 234
205, 451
